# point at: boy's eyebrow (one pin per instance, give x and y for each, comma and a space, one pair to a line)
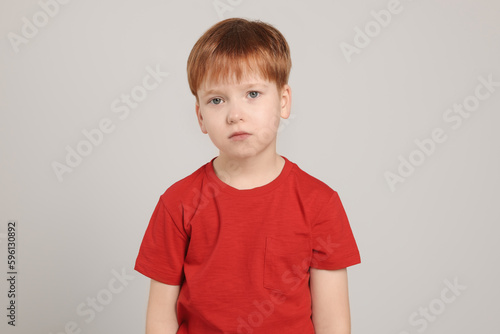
257, 84
247, 86
209, 92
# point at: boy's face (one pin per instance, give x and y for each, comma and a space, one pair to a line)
242, 118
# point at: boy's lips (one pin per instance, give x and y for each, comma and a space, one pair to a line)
239, 135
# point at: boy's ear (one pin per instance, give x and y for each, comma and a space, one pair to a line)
199, 116
286, 101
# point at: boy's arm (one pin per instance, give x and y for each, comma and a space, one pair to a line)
161, 316
330, 301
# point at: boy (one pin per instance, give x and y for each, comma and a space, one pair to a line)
248, 243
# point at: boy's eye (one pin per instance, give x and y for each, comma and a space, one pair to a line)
216, 100
253, 95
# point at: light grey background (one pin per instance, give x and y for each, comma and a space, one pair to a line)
350, 123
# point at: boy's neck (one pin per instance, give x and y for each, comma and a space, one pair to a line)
248, 173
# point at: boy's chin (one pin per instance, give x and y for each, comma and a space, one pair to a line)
241, 153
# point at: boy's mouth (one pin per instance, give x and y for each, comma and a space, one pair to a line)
239, 135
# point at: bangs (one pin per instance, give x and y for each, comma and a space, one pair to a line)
226, 69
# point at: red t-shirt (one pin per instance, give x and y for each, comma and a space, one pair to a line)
242, 257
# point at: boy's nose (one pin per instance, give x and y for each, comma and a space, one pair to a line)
235, 113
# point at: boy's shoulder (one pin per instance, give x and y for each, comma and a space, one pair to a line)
189, 182
309, 183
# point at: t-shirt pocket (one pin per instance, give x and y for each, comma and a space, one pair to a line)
286, 263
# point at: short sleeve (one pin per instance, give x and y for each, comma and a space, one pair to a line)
333, 243
163, 248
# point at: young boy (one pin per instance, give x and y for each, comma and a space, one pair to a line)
248, 243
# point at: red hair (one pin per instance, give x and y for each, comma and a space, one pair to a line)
231, 47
